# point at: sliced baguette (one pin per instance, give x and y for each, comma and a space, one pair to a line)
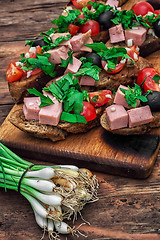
142, 129
32, 127
127, 76
57, 133
150, 45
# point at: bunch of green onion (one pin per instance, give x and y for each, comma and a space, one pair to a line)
55, 193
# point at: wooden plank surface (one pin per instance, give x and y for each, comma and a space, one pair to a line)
131, 156
127, 208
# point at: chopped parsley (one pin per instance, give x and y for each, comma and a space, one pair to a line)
156, 78
50, 44
134, 94
68, 90
45, 101
64, 63
41, 61
110, 55
88, 69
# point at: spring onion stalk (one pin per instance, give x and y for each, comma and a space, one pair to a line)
55, 193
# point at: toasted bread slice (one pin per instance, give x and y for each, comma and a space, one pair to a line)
150, 45
32, 127
127, 76
53, 133
142, 129
18, 89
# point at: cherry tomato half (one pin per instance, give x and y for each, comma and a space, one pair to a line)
91, 24
81, 4
149, 83
89, 111
117, 69
33, 54
73, 29
142, 8
100, 98
157, 12
13, 72
133, 53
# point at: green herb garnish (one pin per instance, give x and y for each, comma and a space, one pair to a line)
134, 94
156, 78
68, 90
45, 101
41, 61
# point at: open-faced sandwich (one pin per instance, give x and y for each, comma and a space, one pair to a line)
94, 23
73, 77
135, 110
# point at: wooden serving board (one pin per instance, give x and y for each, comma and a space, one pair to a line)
132, 156
98, 150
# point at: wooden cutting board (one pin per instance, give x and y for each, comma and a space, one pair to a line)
98, 150
132, 156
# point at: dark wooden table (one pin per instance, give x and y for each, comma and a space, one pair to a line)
127, 208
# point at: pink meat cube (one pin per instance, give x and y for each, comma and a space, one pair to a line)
57, 54
116, 34
54, 36
79, 40
117, 116
31, 108
120, 99
139, 116
73, 68
51, 114
112, 3
138, 35
87, 81
85, 48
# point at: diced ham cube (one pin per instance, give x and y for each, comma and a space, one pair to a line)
54, 36
117, 116
85, 48
116, 34
31, 107
78, 41
139, 116
120, 99
112, 3
57, 54
87, 81
66, 43
138, 35
51, 114
73, 68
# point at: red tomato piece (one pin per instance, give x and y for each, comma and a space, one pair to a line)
150, 84
33, 54
142, 8
157, 12
117, 69
81, 4
91, 24
13, 72
73, 29
100, 98
147, 74
89, 111
133, 53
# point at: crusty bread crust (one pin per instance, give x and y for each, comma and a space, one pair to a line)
142, 129
127, 76
51, 132
32, 127
18, 89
